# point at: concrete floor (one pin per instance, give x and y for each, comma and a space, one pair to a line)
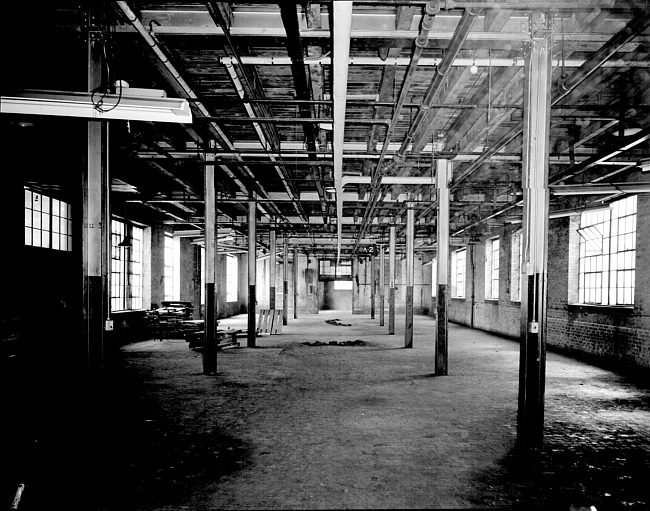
291, 426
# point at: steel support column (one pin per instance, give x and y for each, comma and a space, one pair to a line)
391, 281
532, 361
252, 273
442, 278
210, 321
285, 282
295, 283
410, 230
272, 262
372, 286
382, 282
96, 220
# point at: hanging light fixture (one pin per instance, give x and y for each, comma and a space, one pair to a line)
126, 241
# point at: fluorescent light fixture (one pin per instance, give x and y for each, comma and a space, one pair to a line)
83, 104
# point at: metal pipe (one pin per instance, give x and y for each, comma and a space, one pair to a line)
431, 9
601, 188
631, 30
290, 120
519, 6
390, 180
342, 27
184, 90
282, 172
372, 104
289, 15
418, 128
424, 62
635, 27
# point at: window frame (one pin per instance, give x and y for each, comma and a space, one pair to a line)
434, 277
516, 260
607, 255
50, 218
458, 270
492, 265
127, 267
232, 278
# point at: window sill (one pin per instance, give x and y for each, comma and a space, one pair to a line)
588, 307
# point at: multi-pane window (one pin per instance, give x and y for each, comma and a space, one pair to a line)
492, 269
232, 278
48, 223
515, 266
172, 267
202, 274
331, 269
126, 266
434, 277
607, 254
137, 269
458, 259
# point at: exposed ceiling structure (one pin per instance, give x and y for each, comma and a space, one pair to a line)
330, 115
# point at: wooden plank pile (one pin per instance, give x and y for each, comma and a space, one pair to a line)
269, 321
195, 336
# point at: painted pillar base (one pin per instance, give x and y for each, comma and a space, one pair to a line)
391, 311
441, 331
252, 327
285, 302
209, 329
408, 327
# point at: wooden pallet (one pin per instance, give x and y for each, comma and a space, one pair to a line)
269, 322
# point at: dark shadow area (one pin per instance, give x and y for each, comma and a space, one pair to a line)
572, 471
114, 444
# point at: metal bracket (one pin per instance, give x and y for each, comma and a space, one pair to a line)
540, 25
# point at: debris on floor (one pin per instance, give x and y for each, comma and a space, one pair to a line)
357, 342
337, 322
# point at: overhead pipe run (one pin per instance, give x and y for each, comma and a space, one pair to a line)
342, 29
634, 28
431, 9
600, 188
183, 89
289, 14
279, 167
415, 134
424, 62
418, 127
390, 180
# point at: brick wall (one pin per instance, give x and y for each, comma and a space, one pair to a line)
362, 285
614, 336
502, 315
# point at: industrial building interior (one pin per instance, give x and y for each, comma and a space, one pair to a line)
319, 160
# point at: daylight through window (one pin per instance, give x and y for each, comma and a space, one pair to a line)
607, 254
